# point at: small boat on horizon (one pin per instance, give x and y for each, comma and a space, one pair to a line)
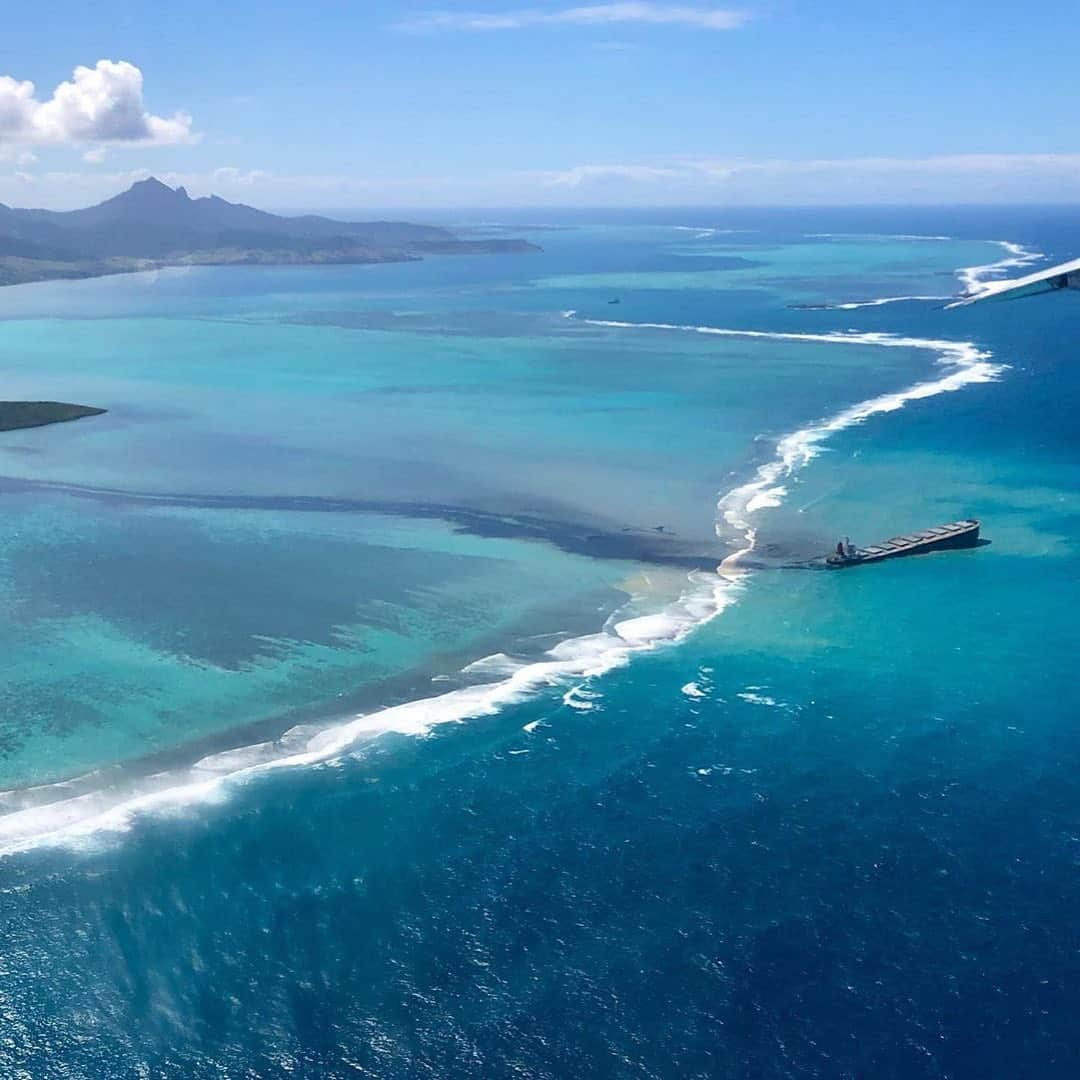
957, 534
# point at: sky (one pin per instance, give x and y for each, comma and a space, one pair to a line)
346, 103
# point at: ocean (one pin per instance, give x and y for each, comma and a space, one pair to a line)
420, 669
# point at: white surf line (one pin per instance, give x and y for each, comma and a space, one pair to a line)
971, 277
1017, 256
872, 236
75, 821
704, 232
85, 819
964, 362
853, 305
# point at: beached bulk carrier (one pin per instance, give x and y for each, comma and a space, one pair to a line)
957, 534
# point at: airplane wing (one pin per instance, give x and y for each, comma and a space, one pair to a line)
1064, 276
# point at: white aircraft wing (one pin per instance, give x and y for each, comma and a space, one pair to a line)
1064, 276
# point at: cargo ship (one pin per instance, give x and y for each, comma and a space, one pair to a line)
957, 534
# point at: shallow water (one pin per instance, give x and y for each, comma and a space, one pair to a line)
830, 831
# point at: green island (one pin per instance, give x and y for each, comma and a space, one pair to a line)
28, 414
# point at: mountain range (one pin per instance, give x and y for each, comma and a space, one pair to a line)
152, 224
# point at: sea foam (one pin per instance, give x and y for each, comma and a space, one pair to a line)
881, 301
971, 277
85, 818
872, 236
1016, 257
963, 364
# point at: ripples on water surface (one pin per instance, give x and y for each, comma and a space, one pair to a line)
830, 832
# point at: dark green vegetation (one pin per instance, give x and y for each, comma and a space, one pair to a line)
24, 414
152, 225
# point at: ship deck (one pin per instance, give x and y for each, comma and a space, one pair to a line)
956, 534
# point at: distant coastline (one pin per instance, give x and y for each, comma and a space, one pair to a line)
151, 226
15, 415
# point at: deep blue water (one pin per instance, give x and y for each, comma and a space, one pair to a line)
832, 832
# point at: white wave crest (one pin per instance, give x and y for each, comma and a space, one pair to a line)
60, 817
1017, 256
751, 697
77, 820
577, 697
496, 664
703, 232
854, 305
871, 236
964, 364
768, 499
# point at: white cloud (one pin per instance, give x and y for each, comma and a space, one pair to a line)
100, 105
941, 178
67, 189
583, 175
229, 176
701, 18
685, 180
18, 155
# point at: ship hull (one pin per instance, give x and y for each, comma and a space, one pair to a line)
957, 534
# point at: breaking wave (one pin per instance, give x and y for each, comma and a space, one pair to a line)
872, 236
971, 277
79, 813
63, 815
853, 305
1017, 256
704, 232
962, 362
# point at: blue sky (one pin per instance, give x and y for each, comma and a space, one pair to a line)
340, 104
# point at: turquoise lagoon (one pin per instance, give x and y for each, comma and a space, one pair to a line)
211, 553
662, 821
